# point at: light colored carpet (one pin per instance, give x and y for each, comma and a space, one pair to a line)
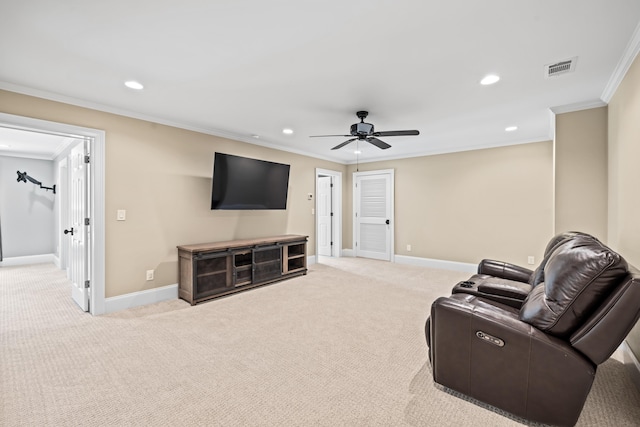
341, 346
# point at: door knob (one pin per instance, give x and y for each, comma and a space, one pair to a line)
69, 231
387, 222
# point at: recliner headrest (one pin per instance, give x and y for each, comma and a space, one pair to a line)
578, 275
556, 241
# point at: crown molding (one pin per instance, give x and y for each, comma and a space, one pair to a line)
131, 114
578, 106
449, 151
630, 53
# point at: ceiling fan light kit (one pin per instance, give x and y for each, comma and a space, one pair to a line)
365, 132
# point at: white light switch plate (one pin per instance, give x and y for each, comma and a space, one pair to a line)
122, 215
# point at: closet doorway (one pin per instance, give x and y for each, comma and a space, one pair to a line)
92, 260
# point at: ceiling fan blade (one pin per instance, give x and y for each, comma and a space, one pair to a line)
322, 136
378, 143
344, 143
397, 133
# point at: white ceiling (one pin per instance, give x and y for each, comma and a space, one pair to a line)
21, 143
238, 68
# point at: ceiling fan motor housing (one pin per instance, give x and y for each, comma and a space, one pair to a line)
362, 128
364, 132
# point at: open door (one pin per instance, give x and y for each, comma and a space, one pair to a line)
373, 207
78, 231
325, 215
328, 213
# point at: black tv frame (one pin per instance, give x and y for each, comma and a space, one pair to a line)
243, 183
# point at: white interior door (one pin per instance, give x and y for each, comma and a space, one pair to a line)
63, 185
325, 216
373, 206
78, 232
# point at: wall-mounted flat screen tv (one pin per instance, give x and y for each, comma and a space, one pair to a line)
241, 183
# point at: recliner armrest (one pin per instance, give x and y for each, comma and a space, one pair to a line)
505, 291
512, 289
504, 270
483, 350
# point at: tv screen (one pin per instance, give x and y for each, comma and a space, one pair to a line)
243, 183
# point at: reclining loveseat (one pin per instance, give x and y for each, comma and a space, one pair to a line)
529, 341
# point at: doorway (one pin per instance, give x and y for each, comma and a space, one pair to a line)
328, 210
373, 207
94, 285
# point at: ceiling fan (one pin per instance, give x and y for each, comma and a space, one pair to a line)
364, 132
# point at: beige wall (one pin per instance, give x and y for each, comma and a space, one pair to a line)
162, 176
581, 172
624, 178
492, 203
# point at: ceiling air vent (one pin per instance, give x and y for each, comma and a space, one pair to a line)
562, 67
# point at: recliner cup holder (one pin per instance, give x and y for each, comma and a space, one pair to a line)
467, 284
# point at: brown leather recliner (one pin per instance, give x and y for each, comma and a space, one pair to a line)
529, 342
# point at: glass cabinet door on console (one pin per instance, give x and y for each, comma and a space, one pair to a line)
267, 263
212, 274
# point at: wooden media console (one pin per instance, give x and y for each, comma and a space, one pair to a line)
211, 270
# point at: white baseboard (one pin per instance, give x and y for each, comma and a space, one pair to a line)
151, 296
136, 299
632, 364
26, 260
426, 262
437, 263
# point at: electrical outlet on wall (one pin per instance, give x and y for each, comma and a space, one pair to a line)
408, 248
531, 260
149, 274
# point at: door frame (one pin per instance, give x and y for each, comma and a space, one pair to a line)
391, 173
96, 202
336, 202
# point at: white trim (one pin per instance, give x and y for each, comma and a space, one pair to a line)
630, 53
337, 210
248, 139
97, 209
30, 259
137, 299
426, 262
97, 268
150, 118
553, 172
632, 363
437, 263
578, 106
438, 151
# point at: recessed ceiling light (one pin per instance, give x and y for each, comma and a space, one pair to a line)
357, 152
5, 146
511, 128
132, 84
287, 131
489, 80
255, 136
